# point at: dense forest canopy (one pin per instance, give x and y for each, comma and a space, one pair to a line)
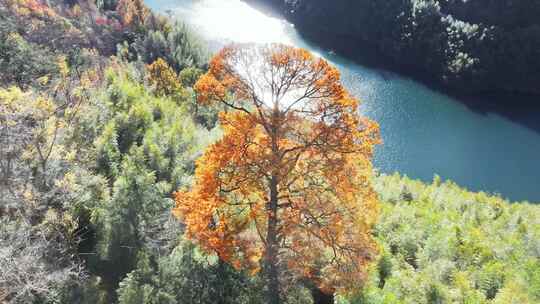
476, 46
100, 126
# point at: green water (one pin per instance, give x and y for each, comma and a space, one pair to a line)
424, 132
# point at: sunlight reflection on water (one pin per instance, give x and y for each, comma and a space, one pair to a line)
214, 19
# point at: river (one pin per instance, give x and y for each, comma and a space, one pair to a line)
424, 132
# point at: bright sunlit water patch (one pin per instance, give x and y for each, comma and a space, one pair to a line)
233, 20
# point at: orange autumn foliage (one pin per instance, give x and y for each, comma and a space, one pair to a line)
133, 12
289, 182
31, 7
163, 78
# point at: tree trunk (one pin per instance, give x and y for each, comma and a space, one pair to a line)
271, 271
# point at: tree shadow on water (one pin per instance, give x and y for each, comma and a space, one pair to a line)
519, 108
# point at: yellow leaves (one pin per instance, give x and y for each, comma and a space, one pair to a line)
35, 8
28, 195
14, 39
43, 80
513, 292
63, 67
32, 126
163, 78
348, 101
11, 96
45, 106
76, 10
16, 104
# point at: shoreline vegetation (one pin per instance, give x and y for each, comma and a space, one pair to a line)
99, 126
471, 56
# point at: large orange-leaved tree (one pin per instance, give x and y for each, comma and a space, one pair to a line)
286, 190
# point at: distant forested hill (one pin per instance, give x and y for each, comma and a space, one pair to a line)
479, 46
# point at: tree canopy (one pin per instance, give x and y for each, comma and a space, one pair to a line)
287, 187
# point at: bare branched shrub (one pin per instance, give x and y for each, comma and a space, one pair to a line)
36, 261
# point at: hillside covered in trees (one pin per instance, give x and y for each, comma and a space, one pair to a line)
478, 46
100, 126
